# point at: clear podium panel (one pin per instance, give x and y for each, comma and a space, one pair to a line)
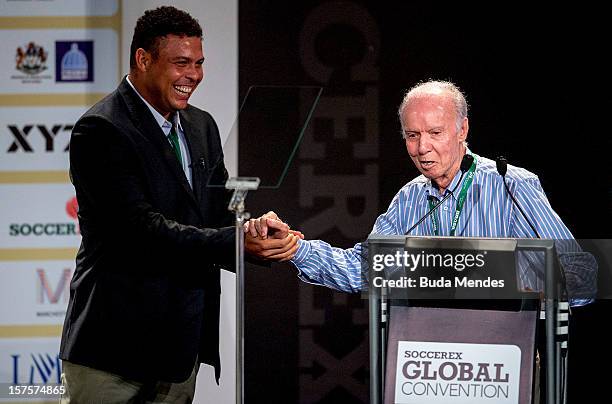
456, 268
443, 268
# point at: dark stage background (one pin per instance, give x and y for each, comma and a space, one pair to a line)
538, 92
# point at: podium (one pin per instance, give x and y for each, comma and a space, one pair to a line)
472, 336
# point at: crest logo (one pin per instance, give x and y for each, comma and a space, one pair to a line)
31, 59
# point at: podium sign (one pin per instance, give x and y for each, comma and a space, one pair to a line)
458, 356
458, 373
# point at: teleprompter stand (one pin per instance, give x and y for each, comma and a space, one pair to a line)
271, 121
241, 186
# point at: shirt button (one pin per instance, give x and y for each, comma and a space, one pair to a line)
446, 208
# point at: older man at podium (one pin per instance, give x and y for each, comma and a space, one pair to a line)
466, 196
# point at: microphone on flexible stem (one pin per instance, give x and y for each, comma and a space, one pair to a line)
502, 167
466, 163
563, 309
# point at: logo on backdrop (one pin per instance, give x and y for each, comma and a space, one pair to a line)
74, 61
31, 62
449, 373
36, 368
23, 144
49, 293
31, 59
72, 208
52, 229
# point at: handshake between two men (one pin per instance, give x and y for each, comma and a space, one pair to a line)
269, 238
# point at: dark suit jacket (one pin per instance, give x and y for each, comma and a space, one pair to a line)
144, 299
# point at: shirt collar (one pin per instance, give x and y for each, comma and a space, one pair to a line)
163, 123
431, 189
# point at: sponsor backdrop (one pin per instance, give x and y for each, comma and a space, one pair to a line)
58, 66
61, 56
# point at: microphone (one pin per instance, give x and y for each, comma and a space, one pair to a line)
562, 309
502, 168
200, 163
466, 163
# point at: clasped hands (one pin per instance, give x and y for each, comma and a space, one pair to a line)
269, 238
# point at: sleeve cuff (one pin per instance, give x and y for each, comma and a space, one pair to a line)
301, 253
299, 261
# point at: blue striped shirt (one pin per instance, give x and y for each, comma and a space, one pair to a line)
488, 212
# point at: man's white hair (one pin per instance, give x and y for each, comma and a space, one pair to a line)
435, 87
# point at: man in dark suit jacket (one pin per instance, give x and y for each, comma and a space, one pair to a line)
144, 299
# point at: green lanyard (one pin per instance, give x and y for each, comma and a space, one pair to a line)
460, 201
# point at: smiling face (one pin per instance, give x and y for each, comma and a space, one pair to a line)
432, 139
168, 79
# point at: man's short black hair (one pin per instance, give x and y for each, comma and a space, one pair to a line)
156, 24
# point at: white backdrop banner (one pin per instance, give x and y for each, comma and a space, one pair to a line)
36, 291
44, 8
36, 138
58, 61
29, 360
42, 216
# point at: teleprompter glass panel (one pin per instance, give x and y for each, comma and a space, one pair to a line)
267, 132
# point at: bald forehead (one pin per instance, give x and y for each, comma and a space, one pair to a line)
437, 96
422, 103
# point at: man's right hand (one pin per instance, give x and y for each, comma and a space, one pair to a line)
269, 238
272, 249
269, 225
